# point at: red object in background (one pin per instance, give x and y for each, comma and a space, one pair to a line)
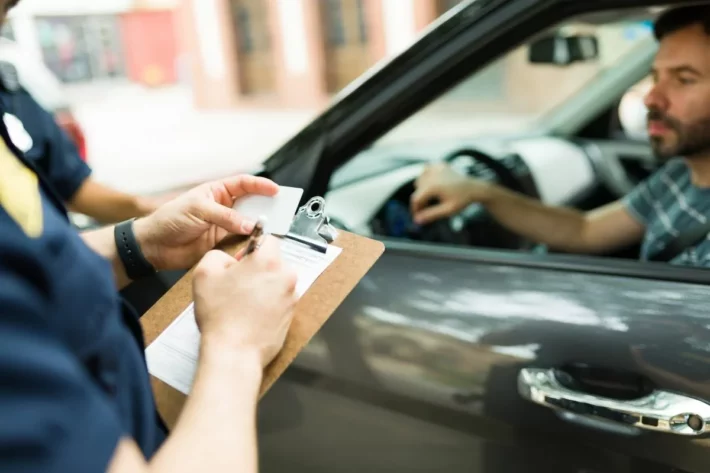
150, 46
66, 120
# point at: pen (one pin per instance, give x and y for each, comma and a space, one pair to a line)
256, 235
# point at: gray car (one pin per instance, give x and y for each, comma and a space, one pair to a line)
466, 348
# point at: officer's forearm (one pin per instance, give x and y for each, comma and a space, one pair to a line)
216, 430
107, 205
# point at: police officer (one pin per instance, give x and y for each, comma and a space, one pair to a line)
74, 390
35, 132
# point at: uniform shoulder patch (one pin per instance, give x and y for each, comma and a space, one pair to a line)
18, 133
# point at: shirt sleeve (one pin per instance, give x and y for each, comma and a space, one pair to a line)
53, 418
59, 161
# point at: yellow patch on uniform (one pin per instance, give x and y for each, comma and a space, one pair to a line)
19, 193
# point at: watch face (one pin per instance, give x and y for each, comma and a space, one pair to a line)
18, 133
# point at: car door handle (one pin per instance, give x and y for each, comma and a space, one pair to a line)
661, 411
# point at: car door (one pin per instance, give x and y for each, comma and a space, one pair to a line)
423, 367
419, 368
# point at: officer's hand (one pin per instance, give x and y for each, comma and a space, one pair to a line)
245, 305
182, 230
442, 192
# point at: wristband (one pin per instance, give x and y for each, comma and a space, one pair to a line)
136, 265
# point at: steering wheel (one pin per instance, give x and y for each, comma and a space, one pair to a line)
455, 228
505, 176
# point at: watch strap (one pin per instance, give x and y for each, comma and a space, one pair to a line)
129, 251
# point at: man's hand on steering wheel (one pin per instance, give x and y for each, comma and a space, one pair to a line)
442, 192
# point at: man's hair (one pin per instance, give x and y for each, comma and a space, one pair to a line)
682, 17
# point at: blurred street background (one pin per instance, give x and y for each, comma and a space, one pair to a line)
167, 93
148, 141
162, 94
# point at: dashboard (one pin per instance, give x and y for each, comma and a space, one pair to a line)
370, 194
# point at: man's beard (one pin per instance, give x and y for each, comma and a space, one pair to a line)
691, 139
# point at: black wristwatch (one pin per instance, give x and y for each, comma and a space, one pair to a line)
135, 263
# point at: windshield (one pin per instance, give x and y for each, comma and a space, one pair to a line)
512, 93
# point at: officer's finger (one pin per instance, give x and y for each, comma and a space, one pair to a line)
225, 217
213, 261
240, 254
243, 251
238, 186
267, 256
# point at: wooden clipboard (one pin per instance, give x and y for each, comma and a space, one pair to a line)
314, 308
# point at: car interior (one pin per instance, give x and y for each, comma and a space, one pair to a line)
577, 147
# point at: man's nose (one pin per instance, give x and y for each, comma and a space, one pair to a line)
656, 99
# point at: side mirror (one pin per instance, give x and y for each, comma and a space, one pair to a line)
564, 50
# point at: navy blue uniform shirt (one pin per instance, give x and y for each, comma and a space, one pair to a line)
73, 378
49, 148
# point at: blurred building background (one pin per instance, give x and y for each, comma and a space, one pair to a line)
189, 90
294, 52
254, 53
284, 53
84, 41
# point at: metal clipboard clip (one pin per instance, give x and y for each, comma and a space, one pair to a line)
311, 226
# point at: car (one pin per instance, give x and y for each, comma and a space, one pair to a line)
466, 348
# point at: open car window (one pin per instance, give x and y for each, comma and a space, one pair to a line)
509, 97
513, 93
499, 110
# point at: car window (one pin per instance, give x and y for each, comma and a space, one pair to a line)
500, 104
507, 97
512, 93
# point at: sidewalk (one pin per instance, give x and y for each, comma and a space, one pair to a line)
151, 141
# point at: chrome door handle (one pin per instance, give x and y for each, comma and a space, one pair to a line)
661, 411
